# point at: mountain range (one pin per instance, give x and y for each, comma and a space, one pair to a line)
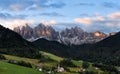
105, 51
68, 36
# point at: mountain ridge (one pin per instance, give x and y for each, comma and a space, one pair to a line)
11, 41
105, 51
68, 36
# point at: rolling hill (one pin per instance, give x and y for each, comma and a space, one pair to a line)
6, 68
54, 47
106, 51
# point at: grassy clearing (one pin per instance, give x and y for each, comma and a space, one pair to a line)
50, 64
32, 61
6, 68
56, 58
74, 69
78, 63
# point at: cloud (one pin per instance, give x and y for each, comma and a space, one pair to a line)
84, 15
115, 15
111, 5
5, 15
33, 7
14, 23
85, 20
86, 4
98, 17
51, 14
105, 26
52, 4
39, 4
51, 22
11, 16
16, 7
113, 23
108, 23
55, 5
89, 20
108, 4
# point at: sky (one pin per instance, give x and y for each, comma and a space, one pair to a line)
90, 15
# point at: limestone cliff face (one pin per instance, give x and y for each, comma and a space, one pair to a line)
73, 35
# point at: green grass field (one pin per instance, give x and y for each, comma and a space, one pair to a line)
56, 58
32, 61
6, 68
47, 64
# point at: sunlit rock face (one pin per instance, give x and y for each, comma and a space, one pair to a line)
99, 34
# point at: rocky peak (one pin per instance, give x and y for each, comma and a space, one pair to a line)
74, 31
25, 31
99, 34
112, 33
78, 36
34, 33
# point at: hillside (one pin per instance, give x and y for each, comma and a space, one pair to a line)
112, 41
11, 42
6, 68
54, 47
106, 51
50, 61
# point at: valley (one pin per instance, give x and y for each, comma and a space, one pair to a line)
53, 57
48, 64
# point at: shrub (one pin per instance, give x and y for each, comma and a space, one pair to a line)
2, 57
22, 63
85, 65
109, 68
68, 63
46, 59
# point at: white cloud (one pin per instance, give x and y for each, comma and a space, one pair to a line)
114, 20
115, 15
85, 20
14, 23
51, 22
16, 7
89, 20
113, 24
99, 18
34, 6
108, 23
